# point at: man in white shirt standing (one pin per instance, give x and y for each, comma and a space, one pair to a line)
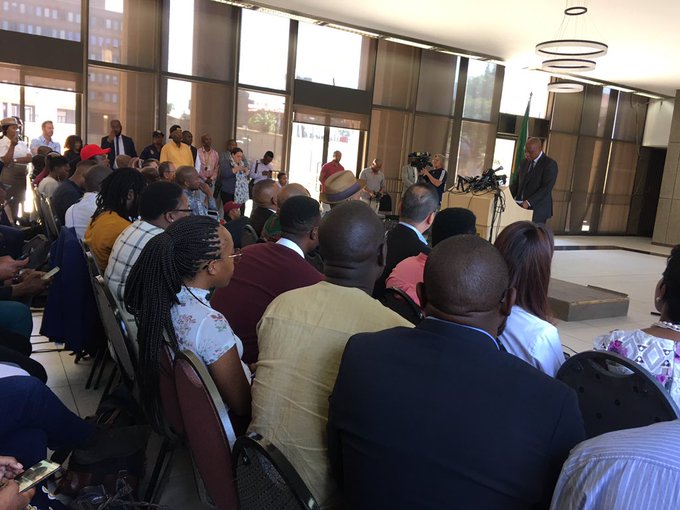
45, 139
262, 169
15, 156
79, 214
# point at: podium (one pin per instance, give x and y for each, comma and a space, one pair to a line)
482, 205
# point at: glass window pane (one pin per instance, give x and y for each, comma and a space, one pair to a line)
389, 140
630, 117
306, 154
566, 114
202, 108
124, 95
431, 134
475, 139
330, 56
619, 188
10, 101
264, 38
518, 84
347, 142
590, 169
123, 32
55, 105
481, 77
437, 84
395, 74
562, 148
58, 20
504, 156
598, 112
260, 124
201, 39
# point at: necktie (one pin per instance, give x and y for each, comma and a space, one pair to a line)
531, 167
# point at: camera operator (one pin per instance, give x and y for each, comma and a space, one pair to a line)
374, 188
435, 175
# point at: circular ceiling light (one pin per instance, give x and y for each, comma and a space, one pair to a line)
577, 65
579, 48
576, 10
565, 87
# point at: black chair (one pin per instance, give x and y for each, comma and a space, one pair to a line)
265, 478
615, 393
49, 221
398, 301
385, 204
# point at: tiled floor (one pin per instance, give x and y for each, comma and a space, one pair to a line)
633, 273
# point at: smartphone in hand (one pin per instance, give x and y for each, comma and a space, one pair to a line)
36, 474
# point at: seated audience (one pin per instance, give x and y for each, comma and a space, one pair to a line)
58, 170
150, 173
447, 223
235, 222
166, 171
282, 179
632, 469
70, 191
528, 249
270, 269
180, 267
96, 154
418, 208
498, 441
73, 144
150, 162
271, 231
341, 187
197, 192
301, 338
123, 161
117, 204
38, 161
160, 204
265, 204
79, 214
657, 347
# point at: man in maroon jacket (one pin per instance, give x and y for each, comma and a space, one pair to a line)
269, 269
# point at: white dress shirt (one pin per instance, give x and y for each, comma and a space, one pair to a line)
534, 340
79, 214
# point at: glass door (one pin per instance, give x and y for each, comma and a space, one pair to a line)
312, 145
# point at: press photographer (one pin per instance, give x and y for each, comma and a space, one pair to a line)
435, 175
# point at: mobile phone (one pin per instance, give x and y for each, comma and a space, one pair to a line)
50, 273
213, 214
36, 474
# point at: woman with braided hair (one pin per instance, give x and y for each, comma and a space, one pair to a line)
168, 292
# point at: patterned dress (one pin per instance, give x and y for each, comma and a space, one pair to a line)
241, 192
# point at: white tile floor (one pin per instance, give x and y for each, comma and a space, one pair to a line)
633, 273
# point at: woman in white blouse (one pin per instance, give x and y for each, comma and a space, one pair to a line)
168, 292
528, 249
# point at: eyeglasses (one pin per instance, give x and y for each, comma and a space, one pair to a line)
183, 210
236, 255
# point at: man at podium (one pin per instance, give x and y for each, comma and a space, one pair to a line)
532, 189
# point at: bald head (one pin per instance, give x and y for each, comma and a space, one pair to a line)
82, 168
350, 235
465, 275
265, 192
533, 148
94, 177
291, 190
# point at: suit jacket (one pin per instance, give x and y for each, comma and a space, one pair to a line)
438, 417
536, 187
128, 145
402, 242
259, 217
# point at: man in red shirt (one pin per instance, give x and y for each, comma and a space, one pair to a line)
330, 168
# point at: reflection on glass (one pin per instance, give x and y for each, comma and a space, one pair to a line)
474, 138
124, 95
437, 85
59, 20
306, 153
330, 56
181, 37
178, 105
481, 77
517, 85
264, 38
123, 32
347, 142
260, 125
55, 105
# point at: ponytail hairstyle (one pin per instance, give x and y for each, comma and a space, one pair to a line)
671, 280
114, 193
165, 263
528, 249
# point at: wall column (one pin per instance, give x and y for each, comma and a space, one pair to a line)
667, 225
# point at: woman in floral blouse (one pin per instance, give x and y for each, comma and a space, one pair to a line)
656, 348
168, 292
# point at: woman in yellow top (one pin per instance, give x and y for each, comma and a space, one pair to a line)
117, 206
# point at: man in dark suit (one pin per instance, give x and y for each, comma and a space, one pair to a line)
418, 207
440, 416
533, 186
265, 204
118, 143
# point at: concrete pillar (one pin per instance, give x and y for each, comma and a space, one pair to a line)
667, 226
